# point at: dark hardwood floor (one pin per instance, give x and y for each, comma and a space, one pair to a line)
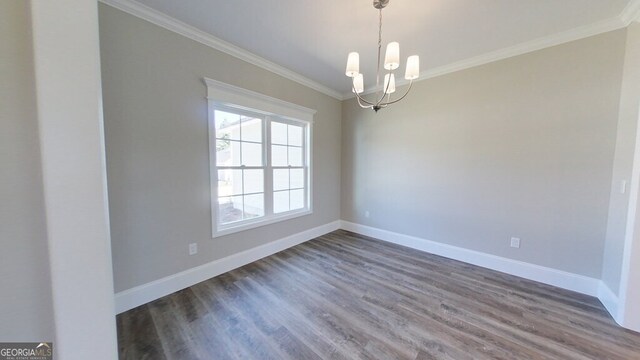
344, 296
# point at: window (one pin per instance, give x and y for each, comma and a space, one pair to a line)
287, 165
260, 150
240, 164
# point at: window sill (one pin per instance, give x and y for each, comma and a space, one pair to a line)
252, 224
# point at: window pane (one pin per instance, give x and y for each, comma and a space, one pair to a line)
280, 179
295, 156
297, 178
251, 129
251, 154
297, 199
227, 125
227, 153
253, 182
295, 135
230, 209
280, 201
229, 182
253, 206
278, 133
279, 155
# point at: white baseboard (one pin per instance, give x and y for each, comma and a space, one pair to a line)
609, 299
139, 295
559, 278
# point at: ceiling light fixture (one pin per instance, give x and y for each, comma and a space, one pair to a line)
391, 62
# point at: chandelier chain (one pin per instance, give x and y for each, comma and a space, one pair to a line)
379, 48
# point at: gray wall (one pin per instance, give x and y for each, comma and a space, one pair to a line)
520, 147
623, 160
157, 150
25, 291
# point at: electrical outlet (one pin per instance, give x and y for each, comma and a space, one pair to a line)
366, 214
193, 249
515, 242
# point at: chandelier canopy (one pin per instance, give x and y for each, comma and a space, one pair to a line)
391, 63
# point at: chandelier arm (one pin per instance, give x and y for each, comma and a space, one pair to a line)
368, 106
361, 99
364, 100
403, 96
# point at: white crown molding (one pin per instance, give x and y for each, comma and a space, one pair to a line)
519, 49
631, 12
155, 17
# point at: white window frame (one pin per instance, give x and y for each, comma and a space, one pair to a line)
225, 97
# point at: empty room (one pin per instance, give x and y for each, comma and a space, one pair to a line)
297, 179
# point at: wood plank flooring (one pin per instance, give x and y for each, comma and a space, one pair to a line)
345, 296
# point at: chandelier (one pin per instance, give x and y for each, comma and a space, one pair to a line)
391, 63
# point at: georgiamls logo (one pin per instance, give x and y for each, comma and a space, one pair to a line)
26, 351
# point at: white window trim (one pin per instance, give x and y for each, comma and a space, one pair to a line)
220, 94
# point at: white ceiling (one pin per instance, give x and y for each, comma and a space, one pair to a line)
313, 38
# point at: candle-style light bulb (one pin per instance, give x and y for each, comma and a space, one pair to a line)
389, 84
413, 68
358, 84
353, 64
392, 56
